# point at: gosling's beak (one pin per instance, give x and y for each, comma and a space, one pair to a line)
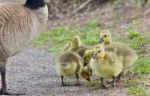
91, 72
94, 56
101, 40
89, 79
85, 63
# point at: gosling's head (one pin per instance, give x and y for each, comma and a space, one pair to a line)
87, 56
67, 47
69, 44
76, 42
105, 37
86, 73
99, 52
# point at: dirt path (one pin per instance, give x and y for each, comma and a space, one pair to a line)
12, 1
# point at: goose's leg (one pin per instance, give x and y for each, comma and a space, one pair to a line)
62, 81
77, 77
113, 82
3, 82
119, 77
3, 90
102, 84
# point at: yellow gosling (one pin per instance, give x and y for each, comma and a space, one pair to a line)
70, 63
126, 54
105, 64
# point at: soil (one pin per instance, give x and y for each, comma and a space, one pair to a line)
32, 71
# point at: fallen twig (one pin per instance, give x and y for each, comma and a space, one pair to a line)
80, 7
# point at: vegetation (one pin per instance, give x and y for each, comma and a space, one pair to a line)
93, 84
130, 83
137, 91
136, 40
55, 39
142, 66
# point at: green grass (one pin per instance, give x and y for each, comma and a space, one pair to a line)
137, 91
55, 39
130, 83
137, 40
93, 84
136, 21
132, 33
116, 3
142, 66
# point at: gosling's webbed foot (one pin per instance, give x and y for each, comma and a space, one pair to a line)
5, 92
118, 78
64, 84
113, 83
77, 84
110, 82
70, 85
103, 86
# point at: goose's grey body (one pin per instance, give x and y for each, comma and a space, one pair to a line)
19, 24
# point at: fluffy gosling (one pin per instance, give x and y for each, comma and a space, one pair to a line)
106, 65
126, 54
76, 43
70, 63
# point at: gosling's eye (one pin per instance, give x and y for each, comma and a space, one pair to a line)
99, 51
105, 35
87, 74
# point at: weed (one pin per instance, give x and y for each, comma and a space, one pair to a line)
129, 83
93, 84
132, 33
142, 66
138, 91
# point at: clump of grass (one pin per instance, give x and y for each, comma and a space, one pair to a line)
141, 3
55, 39
132, 33
93, 84
136, 21
137, 41
138, 91
129, 83
116, 3
142, 66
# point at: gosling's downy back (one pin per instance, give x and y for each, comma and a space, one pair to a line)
69, 63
